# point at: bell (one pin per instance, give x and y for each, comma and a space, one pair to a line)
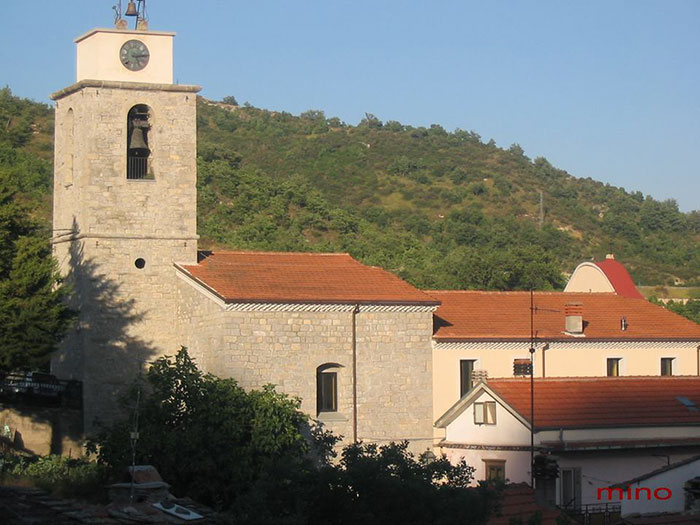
138, 141
131, 10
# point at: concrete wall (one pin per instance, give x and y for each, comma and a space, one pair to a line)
394, 361
98, 56
42, 430
673, 479
602, 469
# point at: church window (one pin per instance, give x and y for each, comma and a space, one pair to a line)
327, 388
138, 151
140, 263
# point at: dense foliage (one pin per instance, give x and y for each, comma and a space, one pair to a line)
407, 198
33, 313
441, 209
372, 485
689, 309
245, 453
62, 476
207, 436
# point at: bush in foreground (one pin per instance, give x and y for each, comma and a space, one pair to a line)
246, 453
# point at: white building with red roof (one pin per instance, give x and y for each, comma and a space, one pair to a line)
597, 431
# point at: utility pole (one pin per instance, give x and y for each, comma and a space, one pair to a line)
532, 387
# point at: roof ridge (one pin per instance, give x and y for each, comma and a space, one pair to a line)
593, 378
265, 252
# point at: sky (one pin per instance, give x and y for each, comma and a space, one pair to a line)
603, 89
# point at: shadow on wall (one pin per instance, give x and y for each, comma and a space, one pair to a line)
101, 351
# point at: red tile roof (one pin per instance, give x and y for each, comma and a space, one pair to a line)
603, 401
518, 504
619, 278
301, 278
478, 316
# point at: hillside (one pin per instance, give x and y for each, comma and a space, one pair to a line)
441, 209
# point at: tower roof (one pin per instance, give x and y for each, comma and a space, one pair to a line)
619, 278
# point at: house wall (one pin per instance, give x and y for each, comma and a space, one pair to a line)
557, 359
588, 277
601, 469
673, 480
394, 360
490, 442
517, 467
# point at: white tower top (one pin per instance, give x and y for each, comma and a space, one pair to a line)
123, 55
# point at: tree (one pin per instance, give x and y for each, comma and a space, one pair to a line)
371, 485
245, 453
230, 99
208, 438
33, 312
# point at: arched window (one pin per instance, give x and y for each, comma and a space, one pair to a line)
327, 387
138, 151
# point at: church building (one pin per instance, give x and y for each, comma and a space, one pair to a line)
372, 357
354, 342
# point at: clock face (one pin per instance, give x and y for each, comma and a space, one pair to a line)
134, 55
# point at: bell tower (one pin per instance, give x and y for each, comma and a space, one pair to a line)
124, 205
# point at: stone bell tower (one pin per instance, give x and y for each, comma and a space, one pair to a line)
124, 207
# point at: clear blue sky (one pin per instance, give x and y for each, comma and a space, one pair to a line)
603, 89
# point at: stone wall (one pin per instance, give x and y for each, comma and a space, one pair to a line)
104, 223
394, 360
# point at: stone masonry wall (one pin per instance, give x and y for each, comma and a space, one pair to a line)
394, 361
103, 223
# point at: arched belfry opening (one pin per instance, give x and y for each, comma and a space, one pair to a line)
138, 152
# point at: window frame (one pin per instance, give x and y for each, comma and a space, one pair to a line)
481, 411
669, 361
327, 388
466, 381
618, 366
498, 465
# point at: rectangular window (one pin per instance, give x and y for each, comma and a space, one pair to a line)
485, 413
667, 366
495, 470
327, 392
614, 366
466, 367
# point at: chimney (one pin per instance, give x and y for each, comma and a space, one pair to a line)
574, 318
610, 256
479, 376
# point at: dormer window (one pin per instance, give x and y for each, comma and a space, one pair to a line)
138, 151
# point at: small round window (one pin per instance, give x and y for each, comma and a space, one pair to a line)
140, 263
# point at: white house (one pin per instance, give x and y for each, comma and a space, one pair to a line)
600, 431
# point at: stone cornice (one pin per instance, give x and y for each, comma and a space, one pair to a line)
111, 84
